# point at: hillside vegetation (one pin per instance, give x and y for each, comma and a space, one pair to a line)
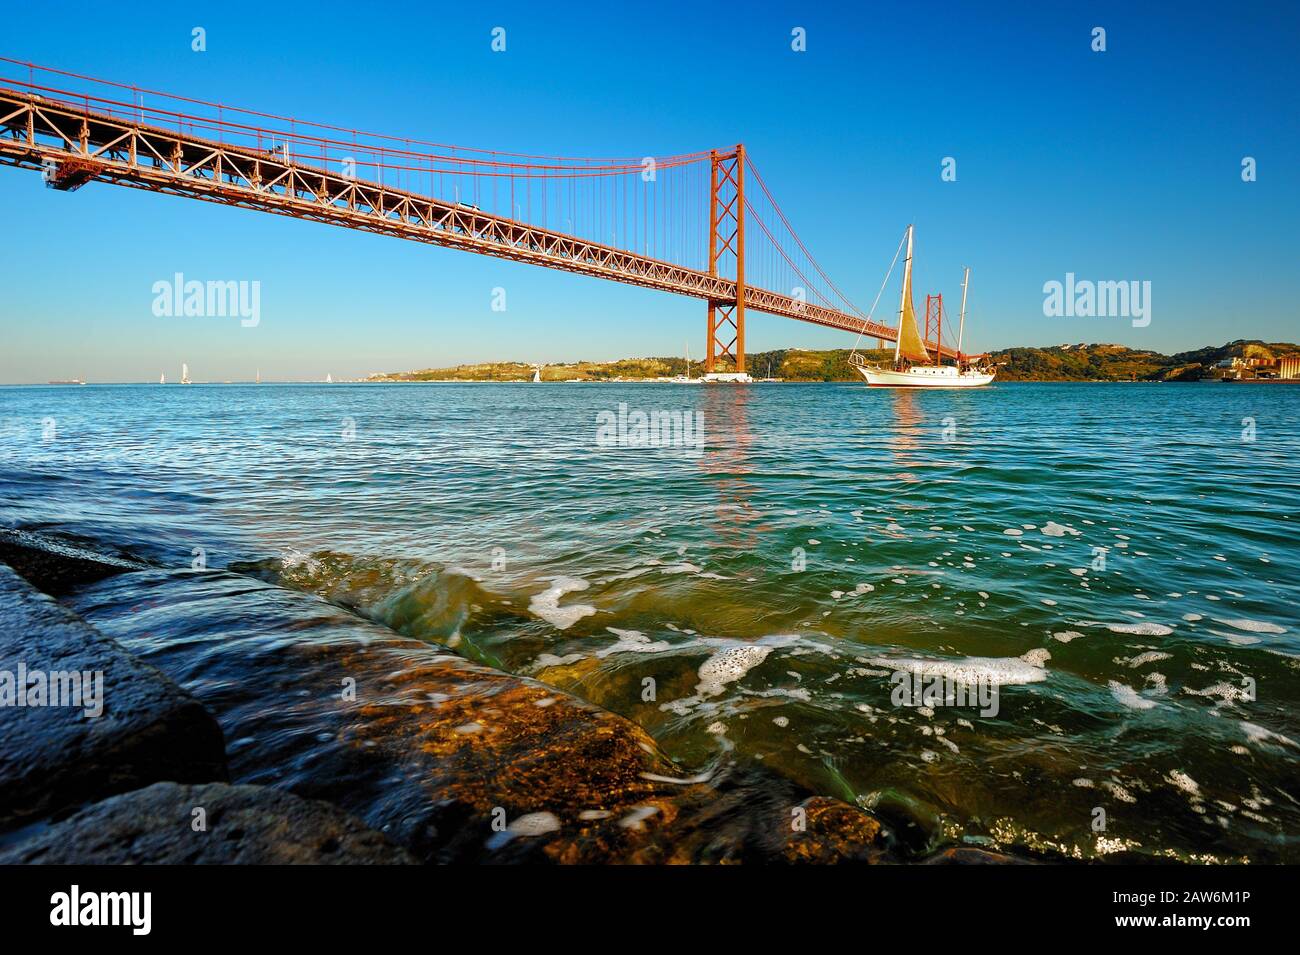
1098, 362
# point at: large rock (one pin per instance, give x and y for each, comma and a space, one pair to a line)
57, 566
450, 759
213, 824
55, 757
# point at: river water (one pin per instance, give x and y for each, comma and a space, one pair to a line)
1117, 561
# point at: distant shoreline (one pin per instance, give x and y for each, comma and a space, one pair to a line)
1059, 363
1241, 361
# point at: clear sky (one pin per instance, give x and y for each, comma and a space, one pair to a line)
1117, 165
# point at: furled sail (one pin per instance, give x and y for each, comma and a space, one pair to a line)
910, 344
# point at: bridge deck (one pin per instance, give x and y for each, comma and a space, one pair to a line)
75, 144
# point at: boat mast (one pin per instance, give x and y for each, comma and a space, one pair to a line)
961, 326
902, 296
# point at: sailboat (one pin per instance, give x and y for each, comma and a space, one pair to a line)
913, 366
537, 373
329, 378
686, 379
185, 374
162, 379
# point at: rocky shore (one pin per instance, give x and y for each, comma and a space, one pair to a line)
340, 742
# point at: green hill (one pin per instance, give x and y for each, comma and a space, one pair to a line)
1097, 362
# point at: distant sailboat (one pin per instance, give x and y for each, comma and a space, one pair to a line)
185, 374
912, 366
686, 379
259, 376
537, 373
162, 379
329, 379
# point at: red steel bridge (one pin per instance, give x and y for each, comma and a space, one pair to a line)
700, 224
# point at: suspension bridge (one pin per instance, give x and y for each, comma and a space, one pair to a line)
702, 224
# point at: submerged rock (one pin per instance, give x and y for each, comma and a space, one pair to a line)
452, 760
82, 719
213, 824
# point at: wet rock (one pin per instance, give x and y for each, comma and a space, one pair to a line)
96, 721
213, 824
57, 566
452, 760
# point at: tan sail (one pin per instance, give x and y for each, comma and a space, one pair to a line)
910, 344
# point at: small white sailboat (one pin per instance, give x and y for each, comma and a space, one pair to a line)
329, 378
537, 373
686, 379
185, 374
913, 366
162, 379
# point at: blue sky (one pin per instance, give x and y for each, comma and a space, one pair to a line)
1117, 165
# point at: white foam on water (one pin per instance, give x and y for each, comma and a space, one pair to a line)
547, 604
1222, 691
637, 817
1251, 626
1262, 734
534, 824
1129, 697
1013, 532
1146, 628
727, 666
1118, 791
1151, 656
545, 661
1237, 639
629, 574
1184, 782
1065, 636
676, 781
633, 641
1053, 529
1192, 617
1010, 671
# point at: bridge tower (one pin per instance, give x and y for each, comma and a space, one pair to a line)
934, 320
727, 244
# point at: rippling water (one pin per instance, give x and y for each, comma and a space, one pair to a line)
1119, 556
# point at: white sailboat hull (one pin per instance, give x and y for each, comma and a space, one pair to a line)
924, 376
